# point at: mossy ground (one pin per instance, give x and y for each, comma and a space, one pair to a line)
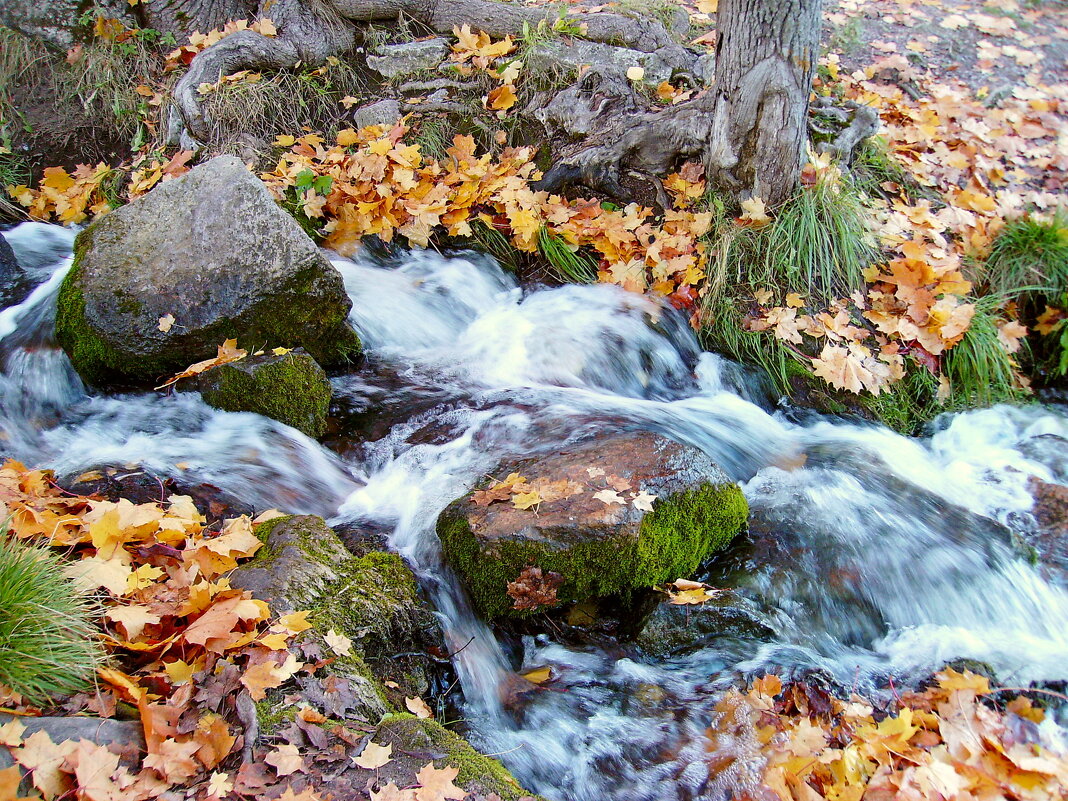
475, 770
680, 533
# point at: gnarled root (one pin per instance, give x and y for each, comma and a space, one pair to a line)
312, 30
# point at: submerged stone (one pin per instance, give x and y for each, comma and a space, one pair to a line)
673, 630
14, 283
618, 513
213, 250
290, 388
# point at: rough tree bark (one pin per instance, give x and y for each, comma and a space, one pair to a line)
766, 55
748, 129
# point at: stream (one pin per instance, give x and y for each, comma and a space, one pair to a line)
872, 556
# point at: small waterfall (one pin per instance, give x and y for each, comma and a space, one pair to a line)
871, 555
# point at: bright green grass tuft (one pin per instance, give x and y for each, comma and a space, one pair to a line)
818, 245
1030, 254
980, 371
566, 264
48, 643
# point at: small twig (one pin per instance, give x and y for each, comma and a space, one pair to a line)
454, 653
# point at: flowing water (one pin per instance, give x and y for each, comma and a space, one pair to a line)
871, 557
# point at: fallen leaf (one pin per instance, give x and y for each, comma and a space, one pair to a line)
374, 756
417, 706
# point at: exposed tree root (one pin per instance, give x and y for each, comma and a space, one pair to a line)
310, 32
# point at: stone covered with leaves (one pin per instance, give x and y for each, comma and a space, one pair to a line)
289, 387
607, 516
212, 251
372, 601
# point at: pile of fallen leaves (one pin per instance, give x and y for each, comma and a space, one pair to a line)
380, 185
183, 642
944, 742
525, 494
192, 654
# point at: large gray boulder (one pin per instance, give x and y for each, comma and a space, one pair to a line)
610, 515
213, 250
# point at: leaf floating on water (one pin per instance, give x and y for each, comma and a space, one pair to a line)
538, 675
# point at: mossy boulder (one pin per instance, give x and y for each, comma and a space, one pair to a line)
291, 388
619, 513
213, 250
372, 599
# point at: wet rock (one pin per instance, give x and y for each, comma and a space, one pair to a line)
214, 250
39, 246
417, 741
673, 630
397, 60
372, 599
291, 388
1050, 540
587, 528
1050, 450
139, 485
14, 283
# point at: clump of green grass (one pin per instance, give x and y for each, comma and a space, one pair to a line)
980, 371
48, 642
284, 102
489, 240
874, 164
103, 76
818, 246
819, 243
434, 135
1030, 255
566, 264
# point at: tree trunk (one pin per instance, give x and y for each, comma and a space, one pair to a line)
766, 54
749, 129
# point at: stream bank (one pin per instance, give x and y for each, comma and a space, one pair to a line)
870, 556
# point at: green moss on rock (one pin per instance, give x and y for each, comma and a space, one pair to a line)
291, 388
373, 599
118, 341
681, 532
475, 772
